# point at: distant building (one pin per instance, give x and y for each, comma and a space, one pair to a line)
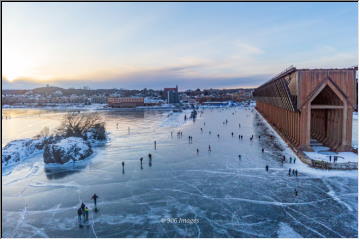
125, 102
171, 95
215, 103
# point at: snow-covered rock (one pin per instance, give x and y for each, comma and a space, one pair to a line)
96, 135
18, 150
72, 148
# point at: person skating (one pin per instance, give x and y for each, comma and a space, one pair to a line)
262, 150
296, 172
197, 151
209, 148
239, 157
86, 211
79, 213
155, 145
150, 156
232, 134
267, 168
293, 172
296, 192
141, 162
94, 197
289, 171
218, 135
82, 207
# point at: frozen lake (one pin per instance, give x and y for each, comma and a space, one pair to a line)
228, 197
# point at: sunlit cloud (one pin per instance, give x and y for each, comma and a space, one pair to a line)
153, 43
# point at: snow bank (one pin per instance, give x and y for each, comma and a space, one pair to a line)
303, 167
18, 150
72, 148
175, 119
343, 156
355, 115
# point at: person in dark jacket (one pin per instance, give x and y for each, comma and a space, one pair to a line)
82, 206
94, 197
79, 213
86, 213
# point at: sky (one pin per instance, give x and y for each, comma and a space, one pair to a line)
157, 45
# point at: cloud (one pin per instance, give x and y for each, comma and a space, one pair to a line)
248, 48
154, 78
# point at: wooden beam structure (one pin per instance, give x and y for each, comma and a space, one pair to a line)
311, 103
326, 107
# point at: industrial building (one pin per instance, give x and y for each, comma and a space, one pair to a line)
171, 95
125, 102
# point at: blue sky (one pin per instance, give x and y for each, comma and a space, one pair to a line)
156, 45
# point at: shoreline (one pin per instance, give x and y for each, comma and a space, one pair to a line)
316, 164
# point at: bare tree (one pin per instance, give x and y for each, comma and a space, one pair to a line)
78, 124
45, 132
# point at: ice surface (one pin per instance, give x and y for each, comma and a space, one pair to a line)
230, 197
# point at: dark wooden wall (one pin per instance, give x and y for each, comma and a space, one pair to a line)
287, 122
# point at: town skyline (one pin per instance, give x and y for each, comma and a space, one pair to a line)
154, 45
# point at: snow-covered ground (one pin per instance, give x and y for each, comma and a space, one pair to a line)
18, 150
355, 128
343, 157
323, 153
228, 196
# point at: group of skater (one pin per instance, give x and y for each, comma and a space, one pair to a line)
293, 172
150, 161
83, 210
